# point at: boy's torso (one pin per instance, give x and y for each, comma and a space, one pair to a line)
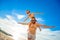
30, 16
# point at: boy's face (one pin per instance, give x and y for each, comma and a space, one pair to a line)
27, 12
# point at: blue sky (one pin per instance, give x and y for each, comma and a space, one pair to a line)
50, 9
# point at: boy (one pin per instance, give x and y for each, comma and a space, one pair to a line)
29, 15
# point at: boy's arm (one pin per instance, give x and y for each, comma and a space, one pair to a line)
23, 23
25, 19
37, 13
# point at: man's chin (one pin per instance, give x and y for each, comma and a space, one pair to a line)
34, 23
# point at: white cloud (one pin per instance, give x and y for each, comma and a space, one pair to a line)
9, 17
19, 31
47, 34
11, 26
20, 16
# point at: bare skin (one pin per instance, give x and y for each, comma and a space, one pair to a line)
33, 26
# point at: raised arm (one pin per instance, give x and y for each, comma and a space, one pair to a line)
22, 23
44, 26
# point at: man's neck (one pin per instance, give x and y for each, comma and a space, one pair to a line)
33, 23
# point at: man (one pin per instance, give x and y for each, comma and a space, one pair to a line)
33, 25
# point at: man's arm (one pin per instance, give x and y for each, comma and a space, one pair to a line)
44, 26
39, 26
23, 23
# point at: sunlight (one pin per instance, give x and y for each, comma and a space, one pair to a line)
19, 31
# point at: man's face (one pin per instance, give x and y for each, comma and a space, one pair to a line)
33, 21
33, 18
27, 12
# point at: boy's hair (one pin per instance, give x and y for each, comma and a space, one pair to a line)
27, 10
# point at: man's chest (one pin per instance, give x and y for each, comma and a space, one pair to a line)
33, 26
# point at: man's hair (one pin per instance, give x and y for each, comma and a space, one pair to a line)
34, 18
27, 10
